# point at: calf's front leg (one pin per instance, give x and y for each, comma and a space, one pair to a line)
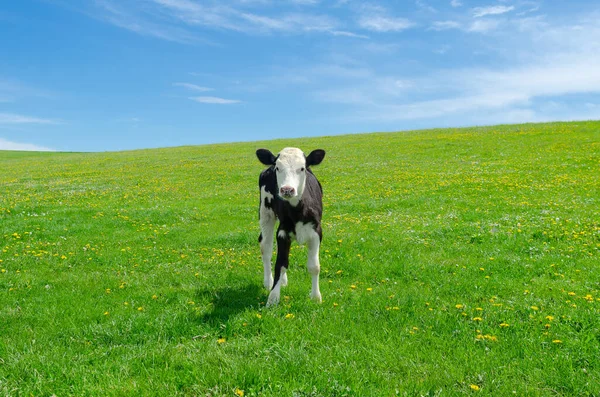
267, 228
281, 264
314, 267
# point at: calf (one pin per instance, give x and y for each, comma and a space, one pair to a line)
290, 193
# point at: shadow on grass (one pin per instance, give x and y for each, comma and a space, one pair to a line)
229, 301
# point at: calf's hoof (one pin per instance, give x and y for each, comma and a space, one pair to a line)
268, 283
273, 299
316, 297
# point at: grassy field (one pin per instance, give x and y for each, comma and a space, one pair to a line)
454, 261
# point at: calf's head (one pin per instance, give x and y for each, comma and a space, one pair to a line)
290, 168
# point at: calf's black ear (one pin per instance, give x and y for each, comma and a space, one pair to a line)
265, 156
315, 157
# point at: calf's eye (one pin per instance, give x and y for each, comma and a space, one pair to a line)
302, 169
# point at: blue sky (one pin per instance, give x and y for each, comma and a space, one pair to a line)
104, 75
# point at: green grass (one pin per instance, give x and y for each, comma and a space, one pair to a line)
452, 259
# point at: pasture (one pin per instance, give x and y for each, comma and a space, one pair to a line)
454, 261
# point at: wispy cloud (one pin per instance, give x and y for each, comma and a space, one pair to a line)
445, 25
456, 3
348, 34
380, 23
564, 63
134, 21
13, 91
8, 145
424, 6
479, 12
483, 25
214, 100
193, 87
305, 2
12, 118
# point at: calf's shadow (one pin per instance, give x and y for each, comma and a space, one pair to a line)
228, 301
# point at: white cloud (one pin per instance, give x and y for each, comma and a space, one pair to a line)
456, 3
479, 12
11, 118
132, 20
348, 34
305, 2
230, 18
193, 87
424, 6
445, 25
8, 145
379, 23
547, 62
483, 25
214, 100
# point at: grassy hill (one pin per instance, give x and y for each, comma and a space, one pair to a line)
454, 261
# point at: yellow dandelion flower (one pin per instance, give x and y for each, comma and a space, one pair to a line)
353, 286
549, 318
572, 293
140, 309
258, 315
289, 315
535, 308
106, 313
504, 325
557, 341
459, 306
369, 289
474, 387
477, 319
108, 290
221, 341
335, 304
239, 392
154, 297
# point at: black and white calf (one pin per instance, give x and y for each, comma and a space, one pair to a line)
290, 193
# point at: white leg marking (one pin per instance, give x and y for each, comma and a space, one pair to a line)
314, 267
276, 292
284, 280
267, 228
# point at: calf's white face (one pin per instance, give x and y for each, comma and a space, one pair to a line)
290, 169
